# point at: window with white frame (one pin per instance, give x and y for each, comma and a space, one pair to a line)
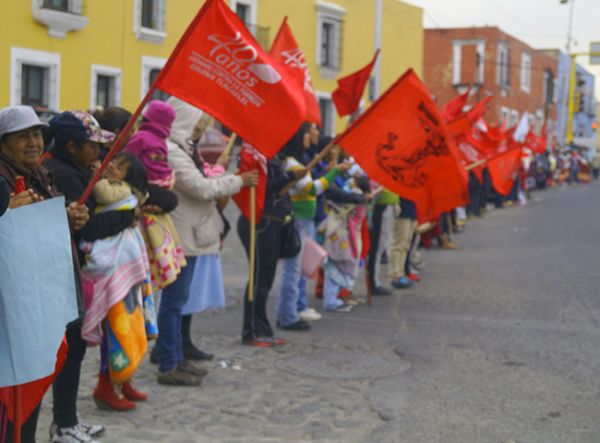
329, 38
468, 60
105, 88
525, 72
150, 20
502, 65
35, 78
514, 118
327, 113
504, 115
246, 10
151, 67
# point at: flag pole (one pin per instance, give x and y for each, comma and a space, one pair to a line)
252, 255
314, 162
17, 414
230, 144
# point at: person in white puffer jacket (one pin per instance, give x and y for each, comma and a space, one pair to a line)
199, 225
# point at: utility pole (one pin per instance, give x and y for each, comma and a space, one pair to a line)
378, 31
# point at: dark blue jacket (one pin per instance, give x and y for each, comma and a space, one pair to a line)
4, 195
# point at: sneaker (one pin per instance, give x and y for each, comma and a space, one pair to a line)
259, 342
402, 283
177, 377
188, 366
191, 352
300, 325
309, 314
414, 277
346, 307
380, 290
91, 430
72, 435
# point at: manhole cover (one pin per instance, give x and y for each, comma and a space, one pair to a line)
342, 365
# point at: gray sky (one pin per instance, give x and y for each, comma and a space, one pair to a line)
539, 23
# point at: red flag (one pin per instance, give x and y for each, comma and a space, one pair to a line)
402, 142
454, 107
32, 392
535, 143
479, 110
219, 67
503, 170
470, 155
351, 88
286, 50
250, 160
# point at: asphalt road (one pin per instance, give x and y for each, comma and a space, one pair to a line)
498, 344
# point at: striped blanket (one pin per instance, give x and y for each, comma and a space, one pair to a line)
113, 267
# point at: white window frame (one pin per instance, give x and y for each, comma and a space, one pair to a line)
334, 14
110, 71
148, 64
332, 114
514, 118
150, 35
49, 60
59, 23
500, 68
525, 72
252, 4
504, 115
457, 59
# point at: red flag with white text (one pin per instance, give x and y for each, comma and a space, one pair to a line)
402, 142
250, 160
346, 97
219, 67
286, 50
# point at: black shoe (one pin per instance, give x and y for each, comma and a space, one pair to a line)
300, 325
191, 352
153, 357
380, 290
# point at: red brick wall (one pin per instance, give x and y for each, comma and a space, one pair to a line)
438, 69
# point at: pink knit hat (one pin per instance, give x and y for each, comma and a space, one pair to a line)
160, 112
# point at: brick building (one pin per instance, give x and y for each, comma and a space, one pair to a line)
493, 63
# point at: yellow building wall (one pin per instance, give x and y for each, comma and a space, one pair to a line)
109, 40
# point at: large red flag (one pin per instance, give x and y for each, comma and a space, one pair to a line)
454, 107
471, 155
401, 141
504, 168
535, 143
286, 50
219, 67
252, 160
351, 88
31, 393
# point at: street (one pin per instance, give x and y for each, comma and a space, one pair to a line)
496, 345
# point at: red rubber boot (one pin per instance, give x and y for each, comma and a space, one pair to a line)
109, 396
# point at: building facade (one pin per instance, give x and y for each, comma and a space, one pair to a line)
80, 54
493, 63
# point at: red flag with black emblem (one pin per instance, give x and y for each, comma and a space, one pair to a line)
252, 160
402, 142
287, 52
351, 88
219, 67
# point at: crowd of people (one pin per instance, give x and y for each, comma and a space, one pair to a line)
146, 244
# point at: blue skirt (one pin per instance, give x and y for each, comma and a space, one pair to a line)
206, 289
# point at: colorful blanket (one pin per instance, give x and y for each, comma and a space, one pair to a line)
113, 267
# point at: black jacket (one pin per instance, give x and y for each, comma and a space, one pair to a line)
277, 206
71, 180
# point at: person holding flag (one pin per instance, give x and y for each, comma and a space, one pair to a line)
199, 225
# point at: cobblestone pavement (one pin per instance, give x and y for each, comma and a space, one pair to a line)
498, 344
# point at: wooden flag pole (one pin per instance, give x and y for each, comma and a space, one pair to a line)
477, 163
230, 144
252, 255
